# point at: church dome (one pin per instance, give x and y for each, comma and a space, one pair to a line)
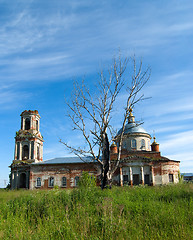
135, 136
132, 126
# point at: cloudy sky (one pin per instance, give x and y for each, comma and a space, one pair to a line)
45, 45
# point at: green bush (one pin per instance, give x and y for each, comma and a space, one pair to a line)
87, 181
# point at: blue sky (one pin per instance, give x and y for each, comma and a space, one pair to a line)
45, 45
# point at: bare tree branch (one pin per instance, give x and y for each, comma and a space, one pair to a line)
96, 109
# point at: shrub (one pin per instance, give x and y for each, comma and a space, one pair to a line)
87, 181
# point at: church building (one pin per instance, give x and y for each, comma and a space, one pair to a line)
141, 162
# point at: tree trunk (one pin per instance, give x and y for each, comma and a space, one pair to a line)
106, 163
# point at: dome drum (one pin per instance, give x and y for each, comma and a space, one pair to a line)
135, 138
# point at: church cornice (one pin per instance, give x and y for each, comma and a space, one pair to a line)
29, 134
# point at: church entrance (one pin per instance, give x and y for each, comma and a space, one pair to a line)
22, 180
135, 179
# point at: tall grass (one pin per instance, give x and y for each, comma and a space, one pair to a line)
164, 212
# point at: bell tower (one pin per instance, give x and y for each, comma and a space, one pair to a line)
28, 140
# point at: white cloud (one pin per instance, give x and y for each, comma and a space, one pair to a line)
178, 141
10, 97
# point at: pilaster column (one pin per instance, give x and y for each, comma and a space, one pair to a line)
41, 152
17, 180
35, 150
121, 176
15, 155
20, 152
152, 176
142, 176
29, 149
131, 176
31, 122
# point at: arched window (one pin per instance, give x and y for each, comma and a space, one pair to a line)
25, 152
37, 125
64, 182
76, 181
27, 124
142, 143
18, 150
32, 150
22, 123
51, 181
38, 152
38, 182
133, 144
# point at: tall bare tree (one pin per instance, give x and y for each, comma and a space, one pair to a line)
91, 113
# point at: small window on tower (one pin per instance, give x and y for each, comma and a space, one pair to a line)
37, 127
21, 122
38, 152
25, 153
32, 150
27, 124
18, 150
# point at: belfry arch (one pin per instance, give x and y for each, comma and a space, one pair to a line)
27, 124
25, 152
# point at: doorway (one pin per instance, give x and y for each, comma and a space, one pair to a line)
22, 180
135, 179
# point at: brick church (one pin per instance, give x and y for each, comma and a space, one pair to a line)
141, 161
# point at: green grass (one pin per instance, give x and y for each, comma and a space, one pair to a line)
164, 212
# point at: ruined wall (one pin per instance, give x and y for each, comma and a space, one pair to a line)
170, 168
166, 172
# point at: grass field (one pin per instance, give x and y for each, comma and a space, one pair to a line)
164, 212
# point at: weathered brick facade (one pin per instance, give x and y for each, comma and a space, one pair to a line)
140, 163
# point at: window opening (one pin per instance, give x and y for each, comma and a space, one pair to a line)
21, 122
25, 154
27, 124
76, 181
142, 143
18, 150
51, 181
38, 152
37, 125
133, 143
64, 182
32, 150
171, 178
38, 182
